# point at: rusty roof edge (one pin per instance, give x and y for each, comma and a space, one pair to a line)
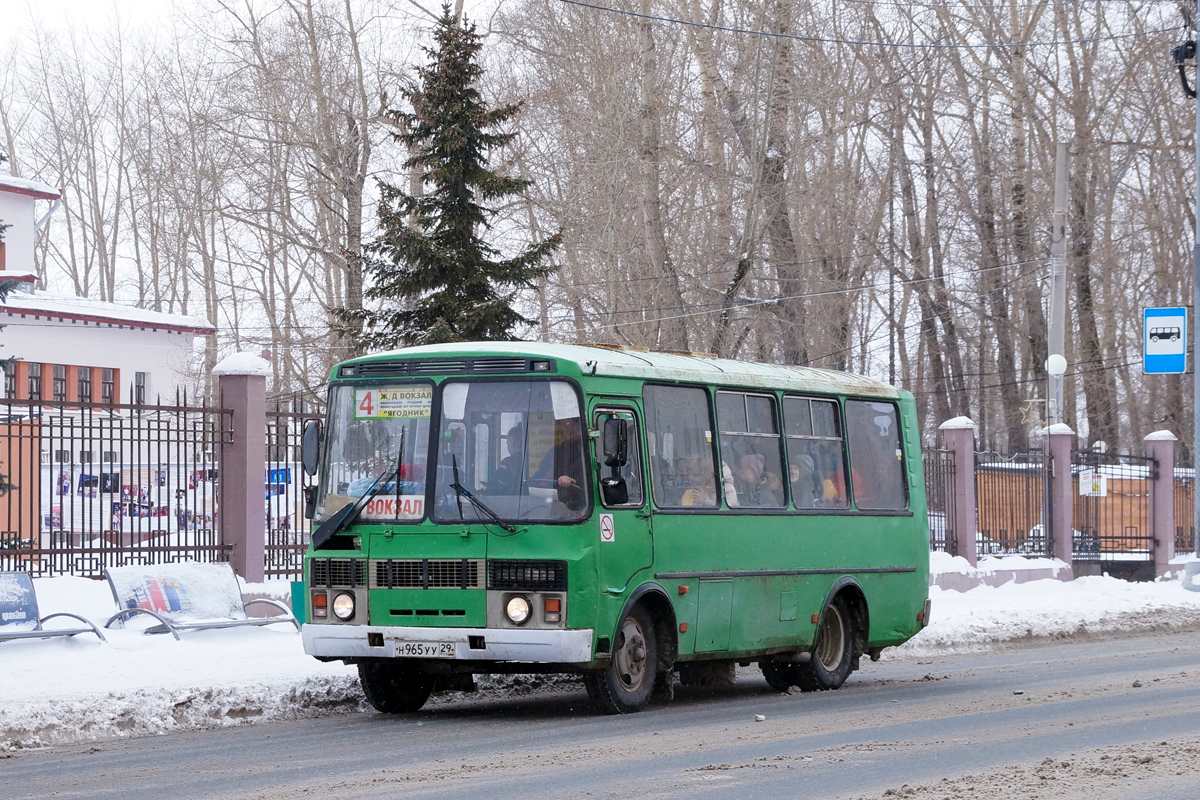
650, 365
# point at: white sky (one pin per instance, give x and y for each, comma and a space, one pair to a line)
19, 14
98, 14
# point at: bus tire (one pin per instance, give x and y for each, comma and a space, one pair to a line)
394, 687
625, 686
780, 675
833, 650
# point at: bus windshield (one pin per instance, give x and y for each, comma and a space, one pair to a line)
517, 446
373, 432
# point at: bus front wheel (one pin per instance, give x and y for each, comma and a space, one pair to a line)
394, 687
626, 684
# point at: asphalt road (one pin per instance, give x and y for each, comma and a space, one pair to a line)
1064, 719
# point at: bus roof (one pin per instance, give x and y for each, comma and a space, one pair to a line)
634, 363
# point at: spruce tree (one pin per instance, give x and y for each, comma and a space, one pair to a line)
433, 277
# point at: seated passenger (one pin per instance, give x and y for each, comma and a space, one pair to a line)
756, 485
806, 490
703, 491
507, 477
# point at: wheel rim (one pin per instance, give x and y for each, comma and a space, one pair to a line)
831, 639
631, 655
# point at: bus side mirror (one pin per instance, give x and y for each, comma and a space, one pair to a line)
310, 446
616, 442
310, 501
614, 490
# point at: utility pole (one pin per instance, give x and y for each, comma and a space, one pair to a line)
1181, 54
1056, 364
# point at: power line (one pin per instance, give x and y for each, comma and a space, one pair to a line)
864, 42
1005, 6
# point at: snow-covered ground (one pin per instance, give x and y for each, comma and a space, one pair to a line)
80, 689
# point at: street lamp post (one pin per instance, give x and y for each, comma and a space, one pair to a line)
1182, 54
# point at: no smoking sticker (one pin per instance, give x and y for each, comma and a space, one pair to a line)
606, 527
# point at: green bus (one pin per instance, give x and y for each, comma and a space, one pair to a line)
622, 514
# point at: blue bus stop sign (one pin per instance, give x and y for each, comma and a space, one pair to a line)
1164, 340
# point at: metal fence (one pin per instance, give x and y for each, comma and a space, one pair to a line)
286, 482
1014, 503
939, 497
1113, 522
1185, 509
104, 485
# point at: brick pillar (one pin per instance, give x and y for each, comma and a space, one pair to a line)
1061, 489
242, 387
1160, 445
959, 434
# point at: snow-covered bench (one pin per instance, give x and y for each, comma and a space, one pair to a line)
19, 615
188, 596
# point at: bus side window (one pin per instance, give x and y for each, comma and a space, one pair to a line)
749, 439
816, 465
876, 457
679, 429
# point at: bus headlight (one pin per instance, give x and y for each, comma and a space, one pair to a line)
517, 609
343, 606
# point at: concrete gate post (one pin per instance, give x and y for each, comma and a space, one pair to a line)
959, 434
1061, 489
1160, 446
242, 387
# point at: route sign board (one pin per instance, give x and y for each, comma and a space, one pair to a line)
1164, 340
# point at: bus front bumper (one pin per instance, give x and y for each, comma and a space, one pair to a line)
459, 644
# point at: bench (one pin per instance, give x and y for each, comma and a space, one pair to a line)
19, 616
186, 596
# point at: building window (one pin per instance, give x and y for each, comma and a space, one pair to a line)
85, 456
59, 386
139, 388
109, 456
106, 386
62, 456
85, 384
35, 381
10, 379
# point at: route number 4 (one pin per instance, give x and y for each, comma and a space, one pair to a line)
366, 406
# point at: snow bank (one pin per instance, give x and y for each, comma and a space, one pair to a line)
72, 690
989, 615
955, 572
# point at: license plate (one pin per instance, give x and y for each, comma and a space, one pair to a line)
425, 649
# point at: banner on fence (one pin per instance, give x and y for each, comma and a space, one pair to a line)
1093, 484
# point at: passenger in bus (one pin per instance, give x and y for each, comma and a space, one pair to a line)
507, 477
831, 478
806, 489
703, 491
756, 485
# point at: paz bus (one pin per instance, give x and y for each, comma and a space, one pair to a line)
621, 514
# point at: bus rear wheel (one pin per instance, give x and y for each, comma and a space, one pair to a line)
625, 686
830, 662
394, 687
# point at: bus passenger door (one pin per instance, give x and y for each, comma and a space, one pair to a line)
624, 541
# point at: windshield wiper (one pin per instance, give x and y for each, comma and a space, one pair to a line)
339, 522
461, 491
